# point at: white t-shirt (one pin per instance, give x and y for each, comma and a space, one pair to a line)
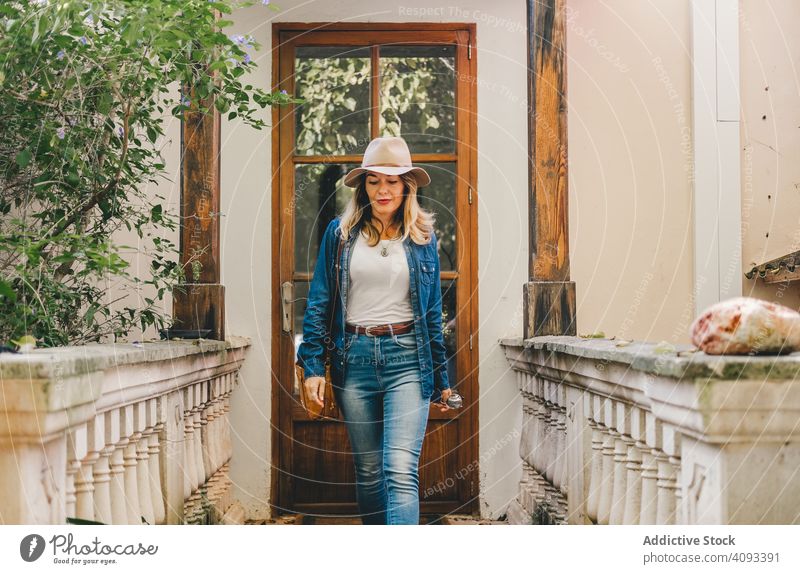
379, 286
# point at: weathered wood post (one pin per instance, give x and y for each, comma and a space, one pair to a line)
200, 303
549, 295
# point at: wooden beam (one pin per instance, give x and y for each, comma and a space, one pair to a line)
549, 295
200, 304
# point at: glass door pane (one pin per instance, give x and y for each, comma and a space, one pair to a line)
417, 95
336, 83
449, 320
440, 198
319, 195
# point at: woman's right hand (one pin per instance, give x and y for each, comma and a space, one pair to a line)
315, 389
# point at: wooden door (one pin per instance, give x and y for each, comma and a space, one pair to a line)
363, 81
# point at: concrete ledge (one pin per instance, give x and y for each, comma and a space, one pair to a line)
58, 362
684, 362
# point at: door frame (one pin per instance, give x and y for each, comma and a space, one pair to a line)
466, 93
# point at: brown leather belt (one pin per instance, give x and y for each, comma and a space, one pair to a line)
377, 330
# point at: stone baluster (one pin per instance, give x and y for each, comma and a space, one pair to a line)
539, 492
549, 450
230, 384
650, 453
621, 443
668, 465
555, 438
207, 426
172, 455
197, 407
524, 488
76, 450
649, 508
217, 430
154, 453
534, 457
680, 518
189, 466
540, 424
596, 471
221, 418
193, 467
131, 435
103, 506
523, 494
117, 441
102, 470
552, 433
85, 479
563, 475
607, 482
143, 413
665, 513
526, 436
525, 484
559, 435
215, 424
633, 500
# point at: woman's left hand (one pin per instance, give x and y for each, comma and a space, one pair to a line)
443, 404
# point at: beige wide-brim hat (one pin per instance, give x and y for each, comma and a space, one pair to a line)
387, 155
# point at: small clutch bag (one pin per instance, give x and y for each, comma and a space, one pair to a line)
313, 409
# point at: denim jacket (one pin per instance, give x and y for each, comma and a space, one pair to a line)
426, 301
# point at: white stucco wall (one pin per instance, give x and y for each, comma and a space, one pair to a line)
770, 136
630, 173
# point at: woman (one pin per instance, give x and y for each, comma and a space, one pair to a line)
387, 351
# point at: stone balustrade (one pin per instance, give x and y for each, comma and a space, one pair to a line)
118, 433
628, 434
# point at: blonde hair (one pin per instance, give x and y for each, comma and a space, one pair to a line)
415, 221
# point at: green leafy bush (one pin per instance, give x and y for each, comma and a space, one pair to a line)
84, 88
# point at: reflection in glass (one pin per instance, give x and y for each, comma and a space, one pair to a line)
417, 96
319, 196
440, 197
449, 328
335, 81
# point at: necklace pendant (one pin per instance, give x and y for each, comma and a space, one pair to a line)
384, 251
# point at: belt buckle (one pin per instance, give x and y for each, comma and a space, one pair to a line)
366, 331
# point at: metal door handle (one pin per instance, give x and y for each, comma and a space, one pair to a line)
287, 302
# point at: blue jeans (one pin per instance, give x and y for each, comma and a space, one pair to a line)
386, 415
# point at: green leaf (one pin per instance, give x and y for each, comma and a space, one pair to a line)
7, 291
104, 103
24, 158
89, 317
